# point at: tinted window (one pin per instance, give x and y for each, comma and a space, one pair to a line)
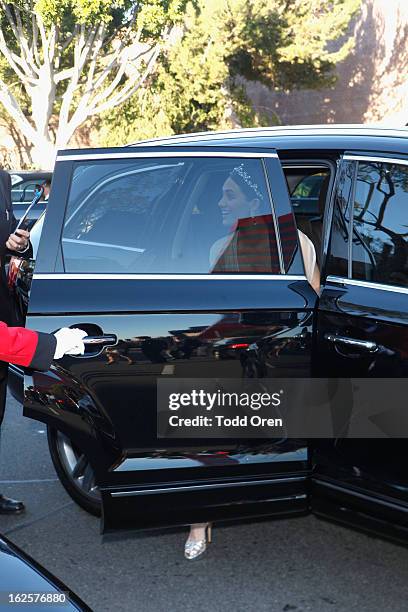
340, 225
169, 215
380, 224
24, 192
308, 190
305, 196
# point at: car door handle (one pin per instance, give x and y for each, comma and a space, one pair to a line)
100, 341
363, 345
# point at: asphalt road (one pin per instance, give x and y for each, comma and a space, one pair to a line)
292, 565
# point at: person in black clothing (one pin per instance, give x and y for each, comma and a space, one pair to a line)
18, 345
35, 350
18, 242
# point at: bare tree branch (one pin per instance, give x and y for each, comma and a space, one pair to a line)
69, 40
7, 12
130, 88
34, 43
108, 69
21, 37
83, 48
15, 62
23, 144
26, 49
67, 126
104, 72
26, 60
43, 34
98, 42
52, 44
115, 60
67, 72
122, 61
64, 74
13, 108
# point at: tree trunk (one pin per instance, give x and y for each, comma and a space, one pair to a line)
43, 154
42, 100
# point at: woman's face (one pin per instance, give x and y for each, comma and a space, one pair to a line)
233, 204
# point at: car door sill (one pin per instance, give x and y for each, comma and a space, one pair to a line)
362, 494
200, 487
361, 511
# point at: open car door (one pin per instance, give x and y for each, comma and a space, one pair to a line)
155, 253
362, 333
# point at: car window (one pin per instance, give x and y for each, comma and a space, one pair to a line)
380, 223
305, 196
15, 178
173, 215
25, 191
338, 260
308, 188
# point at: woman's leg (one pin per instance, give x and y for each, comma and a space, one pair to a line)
197, 540
197, 531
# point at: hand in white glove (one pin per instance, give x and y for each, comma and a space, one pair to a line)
69, 342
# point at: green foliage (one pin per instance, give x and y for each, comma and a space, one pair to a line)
199, 81
199, 84
290, 45
142, 117
151, 14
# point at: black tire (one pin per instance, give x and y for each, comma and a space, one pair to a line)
79, 486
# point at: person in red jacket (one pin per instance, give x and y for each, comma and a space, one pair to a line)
35, 350
19, 345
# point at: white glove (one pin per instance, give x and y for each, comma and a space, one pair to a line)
69, 342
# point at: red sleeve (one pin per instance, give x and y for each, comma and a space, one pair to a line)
25, 347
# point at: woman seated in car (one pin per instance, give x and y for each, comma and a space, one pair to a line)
249, 227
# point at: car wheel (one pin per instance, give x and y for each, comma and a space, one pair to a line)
74, 471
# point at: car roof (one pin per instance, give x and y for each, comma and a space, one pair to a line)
299, 137
290, 139
281, 131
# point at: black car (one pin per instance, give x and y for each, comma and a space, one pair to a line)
24, 185
231, 348
24, 584
133, 250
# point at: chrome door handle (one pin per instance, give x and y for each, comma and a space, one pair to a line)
99, 341
364, 345
94, 345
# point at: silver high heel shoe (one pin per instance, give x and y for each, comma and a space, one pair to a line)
195, 548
